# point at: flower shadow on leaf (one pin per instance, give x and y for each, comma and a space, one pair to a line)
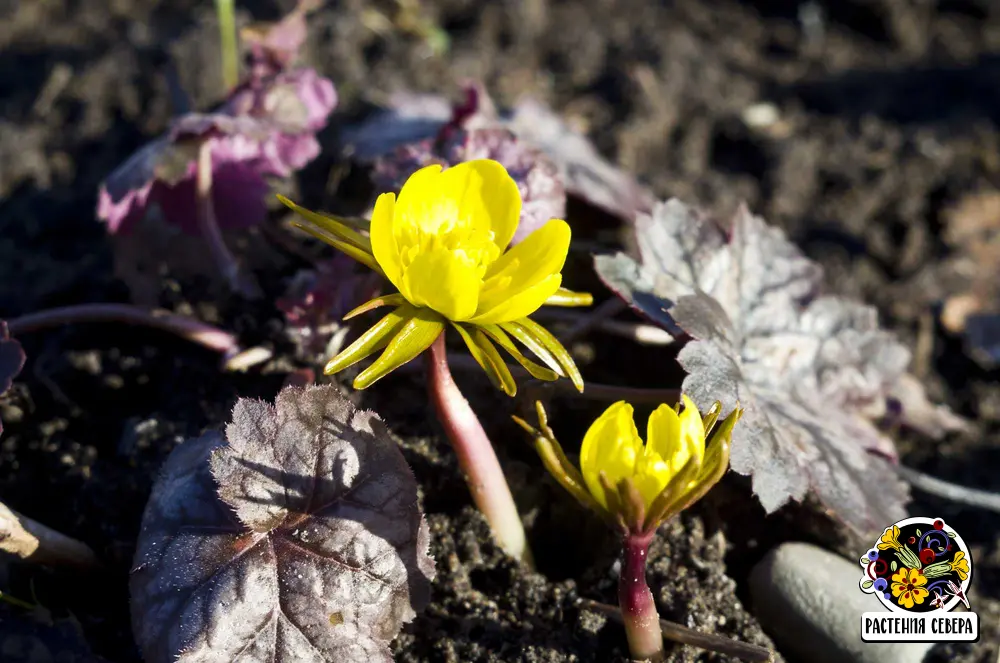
300, 539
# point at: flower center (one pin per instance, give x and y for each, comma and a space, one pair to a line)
472, 246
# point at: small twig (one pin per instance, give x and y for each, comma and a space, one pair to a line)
686, 636
980, 499
605, 310
34, 542
227, 263
193, 330
645, 334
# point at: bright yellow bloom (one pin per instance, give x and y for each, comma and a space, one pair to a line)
889, 539
908, 587
960, 565
612, 447
443, 243
638, 485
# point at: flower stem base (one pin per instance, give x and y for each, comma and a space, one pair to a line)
476, 456
642, 622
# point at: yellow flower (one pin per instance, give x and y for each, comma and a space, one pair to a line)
639, 485
889, 539
444, 245
908, 587
960, 565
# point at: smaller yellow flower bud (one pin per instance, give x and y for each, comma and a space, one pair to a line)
639, 485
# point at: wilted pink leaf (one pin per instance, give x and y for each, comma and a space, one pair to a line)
299, 540
11, 360
812, 371
266, 128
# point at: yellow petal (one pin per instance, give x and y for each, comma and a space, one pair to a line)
692, 435
521, 304
382, 239
663, 437
532, 261
441, 280
474, 194
652, 475
611, 445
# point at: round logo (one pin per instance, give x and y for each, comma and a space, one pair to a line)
918, 565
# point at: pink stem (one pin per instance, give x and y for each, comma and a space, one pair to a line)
209, 226
642, 622
188, 328
476, 456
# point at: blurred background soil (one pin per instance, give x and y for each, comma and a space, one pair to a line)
856, 126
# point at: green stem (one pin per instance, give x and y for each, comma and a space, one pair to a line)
476, 456
226, 10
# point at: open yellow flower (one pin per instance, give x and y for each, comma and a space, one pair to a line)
637, 485
908, 587
443, 243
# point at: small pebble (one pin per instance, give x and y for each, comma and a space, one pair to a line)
809, 601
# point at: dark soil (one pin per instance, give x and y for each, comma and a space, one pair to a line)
888, 114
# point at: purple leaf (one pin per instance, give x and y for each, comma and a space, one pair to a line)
36, 637
545, 157
266, 128
299, 540
275, 46
11, 360
583, 171
812, 371
318, 299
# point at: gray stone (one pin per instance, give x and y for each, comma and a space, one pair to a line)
808, 600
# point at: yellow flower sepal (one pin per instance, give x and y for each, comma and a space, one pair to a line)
444, 244
637, 486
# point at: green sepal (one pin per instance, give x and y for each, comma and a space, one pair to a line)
416, 335
352, 251
557, 463
486, 355
564, 297
373, 340
395, 299
722, 431
530, 328
534, 345
339, 227
500, 337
